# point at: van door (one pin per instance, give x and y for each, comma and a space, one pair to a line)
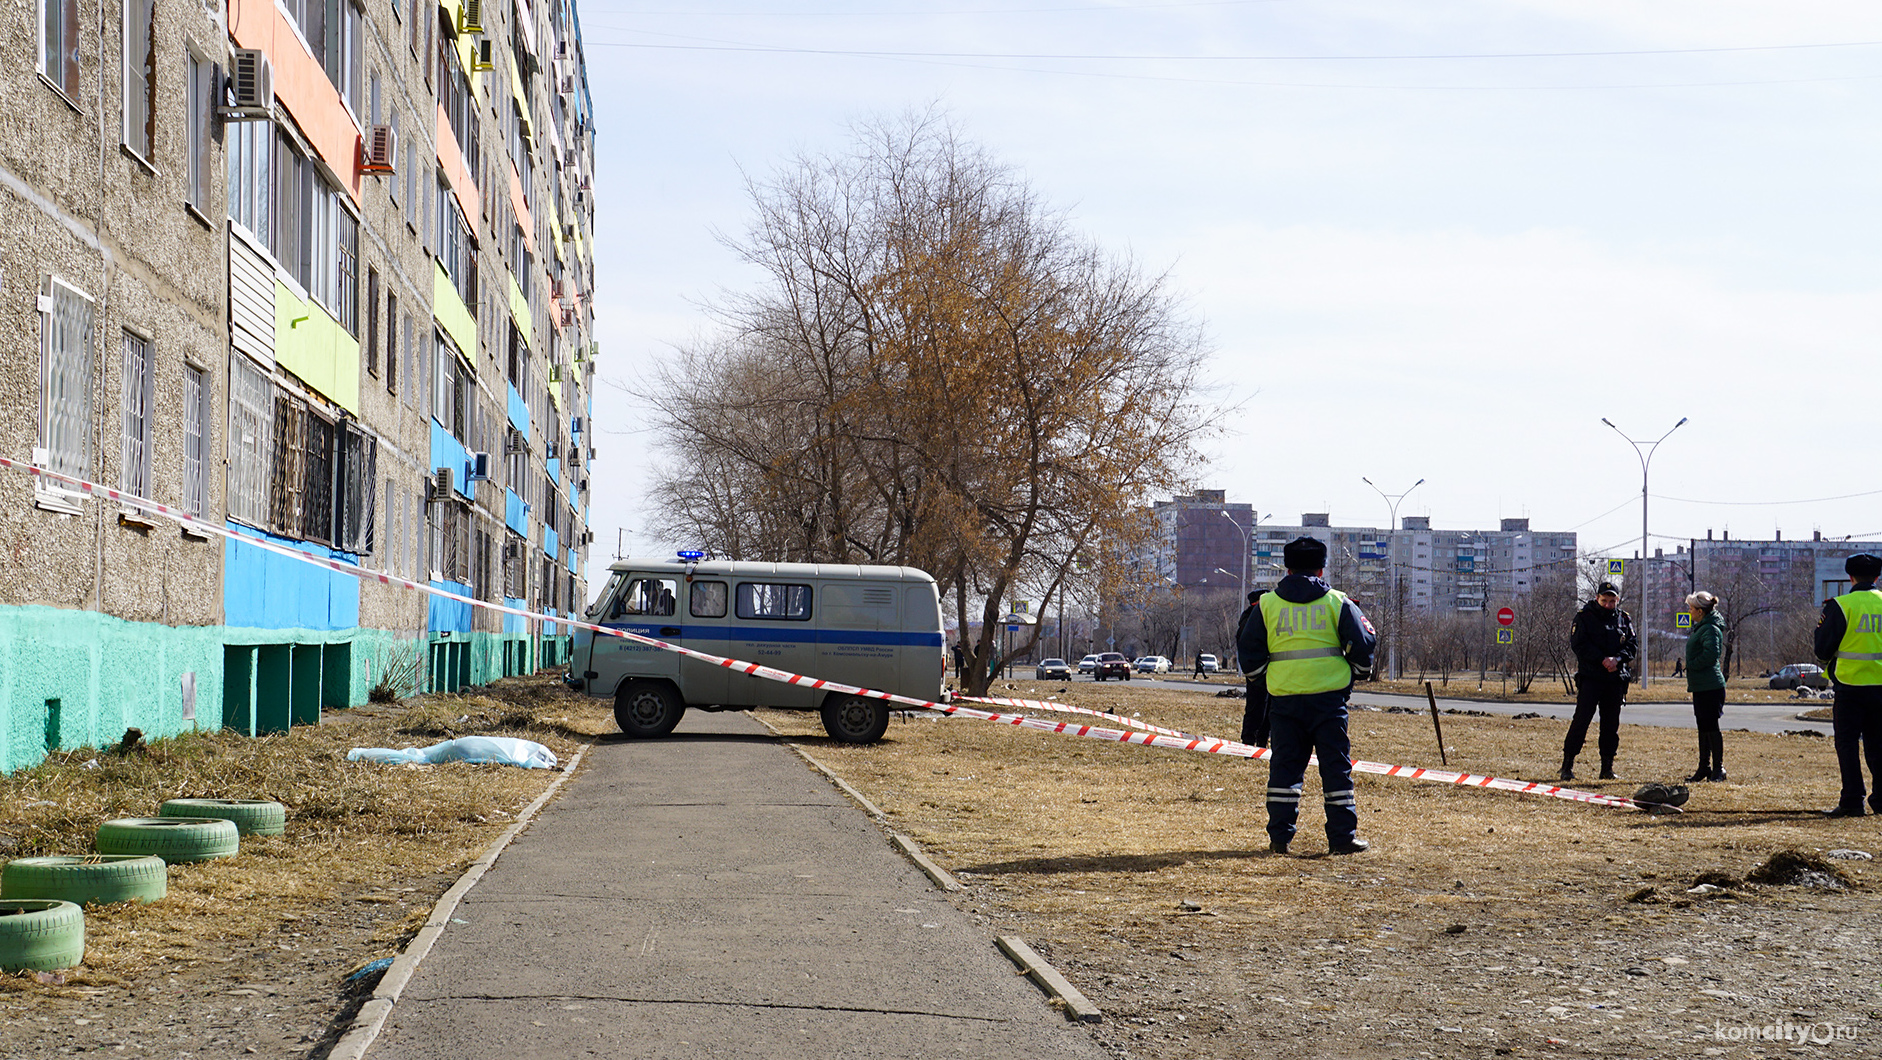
857, 625
772, 625
708, 629
647, 604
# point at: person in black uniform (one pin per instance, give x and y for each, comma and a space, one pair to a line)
1603, 641
1849, 640
1255, 706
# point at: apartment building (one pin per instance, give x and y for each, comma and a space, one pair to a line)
1202, 540
316, 273
1771, 576
1434, 570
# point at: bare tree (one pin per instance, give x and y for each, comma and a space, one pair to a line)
936, 372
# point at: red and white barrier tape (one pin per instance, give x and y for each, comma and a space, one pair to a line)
1165, 738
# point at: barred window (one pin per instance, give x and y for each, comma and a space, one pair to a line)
358, 457
250, 441
195, 440
515, 566
136, 393
65, 382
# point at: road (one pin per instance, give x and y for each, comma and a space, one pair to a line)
1755, 717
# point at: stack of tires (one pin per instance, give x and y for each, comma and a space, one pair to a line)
42, 922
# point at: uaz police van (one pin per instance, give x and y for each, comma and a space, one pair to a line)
872, 627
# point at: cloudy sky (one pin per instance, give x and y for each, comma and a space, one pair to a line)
1438, 240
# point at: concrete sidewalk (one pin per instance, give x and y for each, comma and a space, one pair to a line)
709, 895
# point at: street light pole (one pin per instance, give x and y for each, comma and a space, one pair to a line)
1247, 547
1391, 563
1646, 616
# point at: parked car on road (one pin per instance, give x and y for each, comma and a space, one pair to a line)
1153, 664
1112, 664
1208, 664
1804, 675
1088, 664
1052, 670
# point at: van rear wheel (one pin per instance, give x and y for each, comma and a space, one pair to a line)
647, 709
855, 719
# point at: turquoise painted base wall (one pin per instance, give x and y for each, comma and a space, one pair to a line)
71, 679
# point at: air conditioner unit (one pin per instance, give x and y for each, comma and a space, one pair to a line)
382, 149
516, 442
555, 373
479, 468
484, 58
441, 484
251, 85
568, 232
470, 18
568, 85
575, 423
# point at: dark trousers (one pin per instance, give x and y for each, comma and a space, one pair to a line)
1608, 695
1707, 708
1856, 723
1255, 713
1300, 726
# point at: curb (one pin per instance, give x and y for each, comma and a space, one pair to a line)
1078, 1008
371, 1018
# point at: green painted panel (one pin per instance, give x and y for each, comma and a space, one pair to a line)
313, 345
451, 312
519, 312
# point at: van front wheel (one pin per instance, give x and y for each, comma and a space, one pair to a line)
855, 719
647, 709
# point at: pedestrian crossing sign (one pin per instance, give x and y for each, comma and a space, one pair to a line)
1504, 636
1617, 566
1683, 620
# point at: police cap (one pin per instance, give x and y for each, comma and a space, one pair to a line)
1304, 554
1863, 565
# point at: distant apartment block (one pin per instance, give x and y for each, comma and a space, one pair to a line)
312, 271
1436, 570
1774, 576
1203, 541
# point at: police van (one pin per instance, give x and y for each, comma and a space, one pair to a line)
872, 627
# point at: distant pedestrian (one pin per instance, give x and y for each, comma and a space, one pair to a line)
1309, 640
1604, 645
1705, 679
1255, 706
1849, 640
1198, 664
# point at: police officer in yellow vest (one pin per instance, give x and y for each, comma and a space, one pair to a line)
1310, 641
1849, 638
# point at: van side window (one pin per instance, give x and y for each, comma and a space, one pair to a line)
647, 596
709, 600
774, 602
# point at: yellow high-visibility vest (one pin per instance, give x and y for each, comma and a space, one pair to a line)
1859, 657
1304, 653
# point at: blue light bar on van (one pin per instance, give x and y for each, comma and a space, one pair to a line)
691, 555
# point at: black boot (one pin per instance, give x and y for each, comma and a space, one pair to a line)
1718, 756
1568, 767
1704, 772
1607, 769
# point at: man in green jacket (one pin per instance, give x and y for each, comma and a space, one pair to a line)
1705, 679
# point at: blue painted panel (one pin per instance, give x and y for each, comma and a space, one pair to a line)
513, 516
449, 614
554, 469
550, 543
262, 590
519, 409
447, 451
575, 563
515, 623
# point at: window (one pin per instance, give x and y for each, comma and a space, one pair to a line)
515, 566
774, 602
140, 76
646, 596
521, 261
195, 440
709, 599
250, 441
372, 321
453, 394
137, 391
203, 76
65, 381
405, 170
358, 457
346, 283
332, 31
457, 252
392, 343
250, 147
58, 44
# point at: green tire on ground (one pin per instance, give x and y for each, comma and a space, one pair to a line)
174, 839
40, 935
97, 878
251, 816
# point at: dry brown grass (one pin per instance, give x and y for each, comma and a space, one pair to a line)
358, 835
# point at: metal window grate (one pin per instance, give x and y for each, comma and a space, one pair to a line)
136, 394
195, 440
65, 378
250, 441
317, 491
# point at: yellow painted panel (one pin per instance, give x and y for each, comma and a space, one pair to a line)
313, 345
452, 314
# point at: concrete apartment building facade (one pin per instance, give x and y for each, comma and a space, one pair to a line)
1775, 575
313, 272
1436, 570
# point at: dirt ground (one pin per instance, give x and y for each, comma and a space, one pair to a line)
1481, 924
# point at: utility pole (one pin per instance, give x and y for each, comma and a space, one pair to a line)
1646, 616
1392, 668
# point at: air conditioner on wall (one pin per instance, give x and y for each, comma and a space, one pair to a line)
516, 442
441, 484
251, 85
382, 149
479, 468
471, 17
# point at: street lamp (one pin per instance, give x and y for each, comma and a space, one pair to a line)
1646, 617
1391, 563
1247, 547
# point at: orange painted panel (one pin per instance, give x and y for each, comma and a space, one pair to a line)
451, 157
521, 207
301, 84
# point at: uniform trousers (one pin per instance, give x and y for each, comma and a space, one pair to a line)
1299, 726
1856, 724
1606, 694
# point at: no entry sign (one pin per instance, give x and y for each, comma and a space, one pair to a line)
1505, 617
